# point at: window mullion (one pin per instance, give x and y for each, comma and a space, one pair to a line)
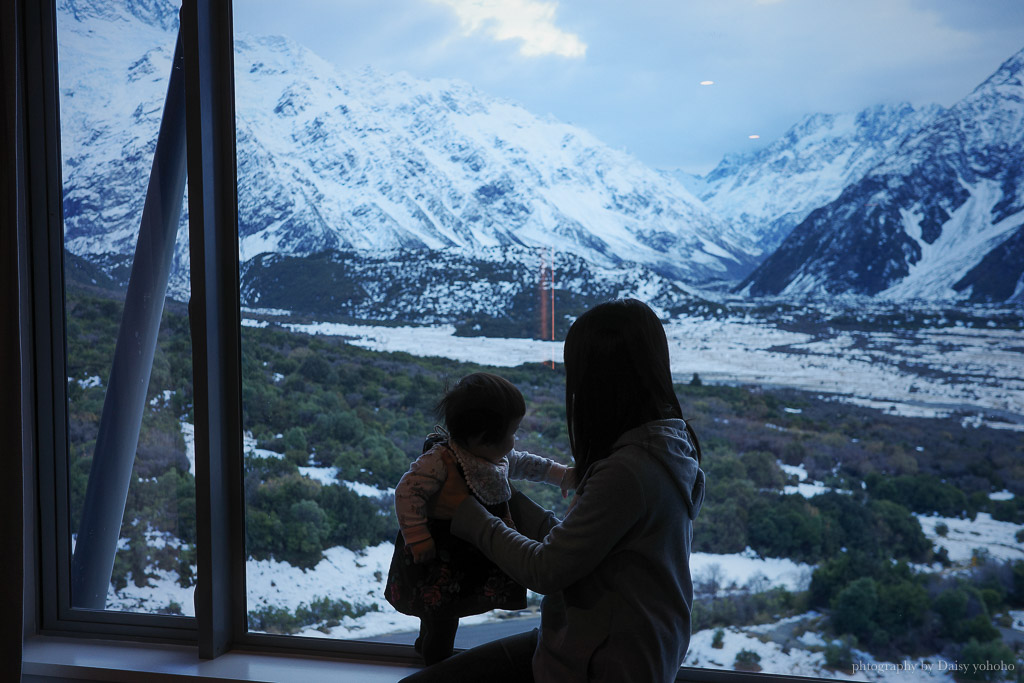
43, 210
215, 322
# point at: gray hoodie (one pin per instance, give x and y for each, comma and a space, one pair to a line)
616, 570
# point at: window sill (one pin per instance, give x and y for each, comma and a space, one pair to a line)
112, 660
69, 659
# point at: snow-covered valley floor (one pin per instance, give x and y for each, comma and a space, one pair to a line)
976, 372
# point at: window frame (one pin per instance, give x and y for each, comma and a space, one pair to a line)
220, 624
46, 255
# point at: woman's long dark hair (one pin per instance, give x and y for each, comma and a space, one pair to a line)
617, 377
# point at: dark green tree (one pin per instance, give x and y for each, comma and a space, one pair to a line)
853, 610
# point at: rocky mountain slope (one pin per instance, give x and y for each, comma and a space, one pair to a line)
768, 192
940, 218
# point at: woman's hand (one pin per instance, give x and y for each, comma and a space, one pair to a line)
451, 495
568, 481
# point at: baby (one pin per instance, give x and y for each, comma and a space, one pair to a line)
435, 575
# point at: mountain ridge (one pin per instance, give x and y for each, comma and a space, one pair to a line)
331, 160
918, 223
374, 163
437, 164
772, 190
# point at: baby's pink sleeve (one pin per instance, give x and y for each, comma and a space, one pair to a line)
425, 477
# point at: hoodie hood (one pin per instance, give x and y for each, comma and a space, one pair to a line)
668, 443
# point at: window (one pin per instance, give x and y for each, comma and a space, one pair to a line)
397, 229
131, 459
331, 427
98, 574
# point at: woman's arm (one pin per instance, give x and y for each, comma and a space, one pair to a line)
531, 519
610, 503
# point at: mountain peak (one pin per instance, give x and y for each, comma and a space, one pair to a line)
1009, 72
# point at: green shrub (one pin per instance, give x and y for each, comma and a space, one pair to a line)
322, 612
763, 470
839, 654
979, 627
987, 661
853, 610
747, 660
718, 639
922, 493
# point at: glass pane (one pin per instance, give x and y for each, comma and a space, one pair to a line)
115, 65
843, 310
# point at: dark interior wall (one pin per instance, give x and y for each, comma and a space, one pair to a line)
11, 479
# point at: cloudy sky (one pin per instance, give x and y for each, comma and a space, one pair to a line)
631, 71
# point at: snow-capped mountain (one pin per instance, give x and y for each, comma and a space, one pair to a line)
373, 161
940, 218
367, 162
766, 193
114, 65
396, 170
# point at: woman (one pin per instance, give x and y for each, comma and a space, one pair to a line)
615, 571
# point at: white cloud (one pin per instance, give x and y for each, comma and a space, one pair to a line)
530, 21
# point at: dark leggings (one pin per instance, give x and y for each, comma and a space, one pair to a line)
437, 639
507, 660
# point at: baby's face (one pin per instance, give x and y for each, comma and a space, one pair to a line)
493, 452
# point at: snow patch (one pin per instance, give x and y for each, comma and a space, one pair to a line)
438, 341
965, 537
327, 476
797, 471
738, 569
808, 489
188, 432
368, 491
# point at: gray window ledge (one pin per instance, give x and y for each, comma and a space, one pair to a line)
53, 658
130, 662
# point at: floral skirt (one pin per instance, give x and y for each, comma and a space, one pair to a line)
458, 582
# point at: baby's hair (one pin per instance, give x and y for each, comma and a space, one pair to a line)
480, 405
